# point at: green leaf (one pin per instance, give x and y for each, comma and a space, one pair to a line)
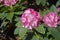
58, 3
17, 19
41, 29
9, 16
2, 15
53, 8
18, 24
16, 30
55, 33
38, 2
4, 23
43, 2
45, 38
22, 32
1, 5
44, 12
47, 3
18, 13
35, 38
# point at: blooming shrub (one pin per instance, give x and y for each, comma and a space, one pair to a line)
29, 19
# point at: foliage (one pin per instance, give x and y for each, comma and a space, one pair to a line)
10, 16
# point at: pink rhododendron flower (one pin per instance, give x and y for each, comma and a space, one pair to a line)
58, 9
51, 19
30, 18
9, 2
1, 1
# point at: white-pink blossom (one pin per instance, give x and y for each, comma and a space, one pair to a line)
30, 18
51, 19
9, 2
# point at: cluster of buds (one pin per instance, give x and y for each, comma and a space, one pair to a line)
9, 2
30, 18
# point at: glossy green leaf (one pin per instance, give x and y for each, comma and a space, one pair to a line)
43, 2
38, 2
53, 8
17, 19
9, 16
41, 29
19, 24
16, 31
58, 3
55, 33
18, 13
44, 12
47, 3
2, 15
34, 38
1, 5
22, 32
45, 38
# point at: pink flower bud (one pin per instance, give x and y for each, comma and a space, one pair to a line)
58, 9
1, 1
9, 2
30, 18
51, 19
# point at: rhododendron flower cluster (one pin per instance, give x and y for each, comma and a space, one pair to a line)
9, 2
30, 18
51, 19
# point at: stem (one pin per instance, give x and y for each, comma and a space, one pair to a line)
11, 7
11, 11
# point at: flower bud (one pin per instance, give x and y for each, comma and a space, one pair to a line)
1, 1
58, 9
